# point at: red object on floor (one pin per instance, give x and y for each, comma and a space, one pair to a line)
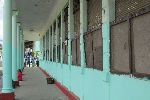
7, 96
69, 94
19, 76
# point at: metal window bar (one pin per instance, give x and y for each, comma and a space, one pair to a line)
130, 30
94, 14
125, 7
93, 38
76, 34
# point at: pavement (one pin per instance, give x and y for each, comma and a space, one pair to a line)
35, 87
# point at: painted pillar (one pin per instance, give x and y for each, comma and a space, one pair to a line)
56, 42
14, 46
52, 42
108, 14
45, 47
40, 57
61, 37
7, 47
47, 44
56, 39
83, 29
21, 49
43, 43
18, 45
48, 57
70, 32
61, 43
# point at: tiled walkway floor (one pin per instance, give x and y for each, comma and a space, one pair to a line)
34, 87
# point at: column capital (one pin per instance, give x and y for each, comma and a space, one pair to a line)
15, 12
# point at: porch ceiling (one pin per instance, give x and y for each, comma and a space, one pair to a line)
35, 15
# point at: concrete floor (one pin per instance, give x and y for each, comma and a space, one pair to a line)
34, 87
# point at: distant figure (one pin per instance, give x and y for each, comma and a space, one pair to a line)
28, 61
29, 58
19, 75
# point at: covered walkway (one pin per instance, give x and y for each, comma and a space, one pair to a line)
34, 87
95, 49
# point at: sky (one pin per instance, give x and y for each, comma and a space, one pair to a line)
1, 20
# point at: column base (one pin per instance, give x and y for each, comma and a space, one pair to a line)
7, 96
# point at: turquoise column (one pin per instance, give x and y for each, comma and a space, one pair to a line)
21, 49
41, 49
56, 39
48, 55
18, 45
61, 37
83, 29
56, 42
14, 47
49, 43
45, 48
7, 47
61, 47
70, 32
108, 15
52, 42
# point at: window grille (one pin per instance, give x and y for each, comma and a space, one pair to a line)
65, 45
75, 41
130, 38
93, 38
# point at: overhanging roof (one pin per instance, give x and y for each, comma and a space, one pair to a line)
37, 15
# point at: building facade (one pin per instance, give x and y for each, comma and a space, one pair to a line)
99, 49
